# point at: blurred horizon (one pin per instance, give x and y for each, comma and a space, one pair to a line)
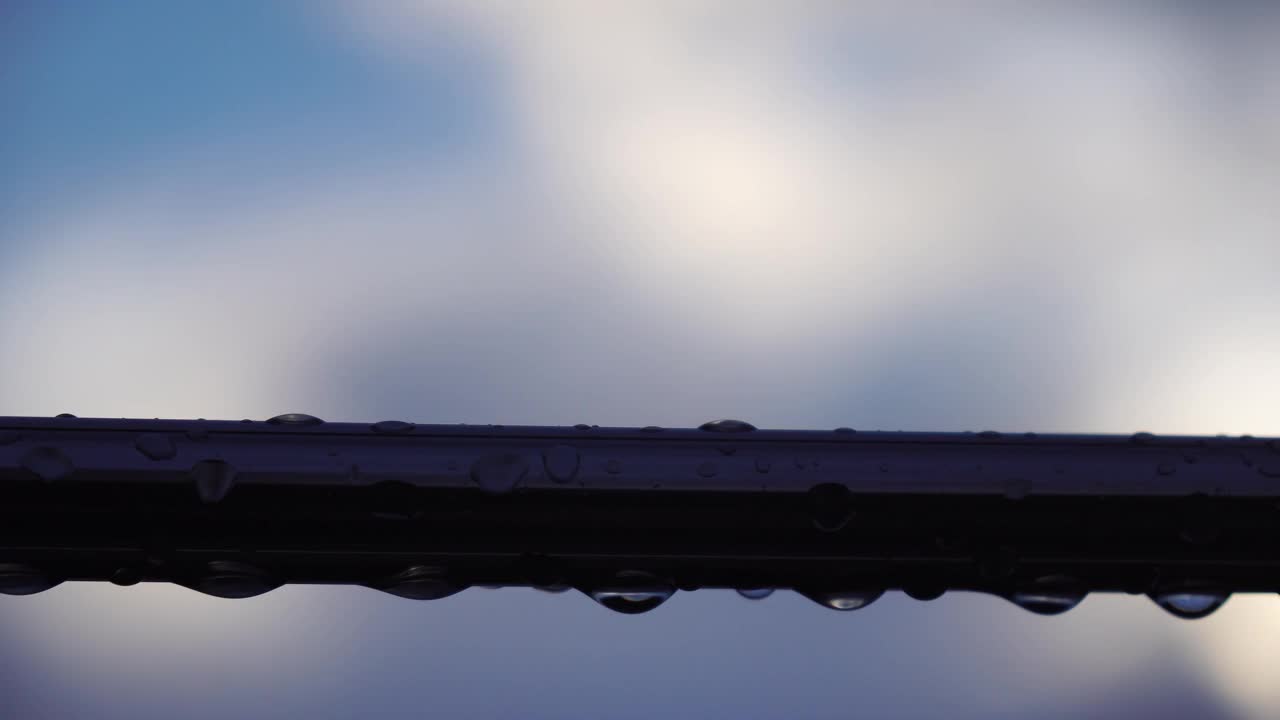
1059, 218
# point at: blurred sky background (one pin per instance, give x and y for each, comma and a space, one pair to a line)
928, 216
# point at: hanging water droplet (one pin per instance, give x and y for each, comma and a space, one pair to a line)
633, 593
18, 579
1050, 595
613, 467
1141, 438
66, 415
843, 600
727, 426
989, 434
156, 446
582, 426
296, 419
1166, 469
49, 464
391, 427
651, 428
763, 465
924, 593
497, 474
554, 589
708, 469
631, 602
9, 437
213, 479
1191, 604
755, 593
233, 580
847, 430
1047, 603
419, 582
1030, 435
561, 462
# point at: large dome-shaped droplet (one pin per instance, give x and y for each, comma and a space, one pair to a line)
213, 479
843, 600
156, 446
497, 474
727, 426
1049, 596
48, 464
420, 582
1191, 604
233, 580
632, 593
831, 506
561, 462
18, 579
295, 419
392, 427
755, 593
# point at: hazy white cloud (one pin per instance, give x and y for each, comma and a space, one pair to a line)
771, 168
131, 305
767, 169
718, 207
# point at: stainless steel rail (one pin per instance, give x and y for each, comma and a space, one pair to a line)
631, 515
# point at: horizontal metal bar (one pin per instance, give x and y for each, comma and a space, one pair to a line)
628, 515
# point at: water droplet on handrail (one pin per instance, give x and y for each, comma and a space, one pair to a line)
295, 419
727, 426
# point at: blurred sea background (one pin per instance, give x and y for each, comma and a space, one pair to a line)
1060, 217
